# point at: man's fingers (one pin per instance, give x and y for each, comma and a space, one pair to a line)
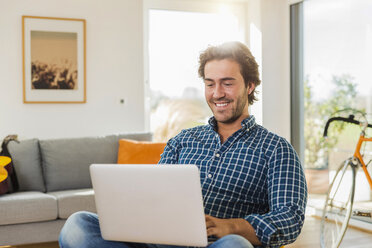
214, 227
209, 221
211, 231
208, 217
210, 224
214, 231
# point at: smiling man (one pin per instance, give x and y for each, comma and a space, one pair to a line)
227, 94
253, 185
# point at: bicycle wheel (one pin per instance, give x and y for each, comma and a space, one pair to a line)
338, 206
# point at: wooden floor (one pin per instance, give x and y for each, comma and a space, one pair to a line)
309, 238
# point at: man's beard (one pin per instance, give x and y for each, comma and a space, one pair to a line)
236, 112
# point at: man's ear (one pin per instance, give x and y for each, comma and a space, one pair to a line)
251, 87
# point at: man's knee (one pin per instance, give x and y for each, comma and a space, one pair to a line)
75, 232
232, 240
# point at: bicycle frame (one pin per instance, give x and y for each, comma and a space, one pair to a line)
332, 235
357, 154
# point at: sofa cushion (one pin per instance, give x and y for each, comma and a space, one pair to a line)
139, 152
71, 201
66, 162
31, 233
25, 207
27, 164
131, 136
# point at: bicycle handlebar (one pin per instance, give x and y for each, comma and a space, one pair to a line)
348, 120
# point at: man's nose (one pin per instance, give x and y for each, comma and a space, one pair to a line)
219, 92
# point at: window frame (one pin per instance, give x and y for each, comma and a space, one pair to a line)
297, 78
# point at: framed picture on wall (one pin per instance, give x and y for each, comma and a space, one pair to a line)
54, 58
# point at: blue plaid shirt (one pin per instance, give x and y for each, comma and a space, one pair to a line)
254, 174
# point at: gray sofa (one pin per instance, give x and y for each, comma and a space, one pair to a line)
54, 182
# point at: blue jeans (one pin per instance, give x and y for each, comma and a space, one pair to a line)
81, 230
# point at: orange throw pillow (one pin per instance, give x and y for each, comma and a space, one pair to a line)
139, 152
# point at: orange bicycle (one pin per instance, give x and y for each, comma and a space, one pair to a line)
340, 197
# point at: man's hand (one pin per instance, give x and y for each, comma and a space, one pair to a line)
222, 227
219, 227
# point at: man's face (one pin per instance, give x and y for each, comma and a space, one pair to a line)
225, 91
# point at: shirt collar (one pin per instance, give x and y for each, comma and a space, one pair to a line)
247, 123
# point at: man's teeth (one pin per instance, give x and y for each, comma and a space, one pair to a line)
221, 104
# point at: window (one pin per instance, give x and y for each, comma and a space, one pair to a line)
336, 43
176, 36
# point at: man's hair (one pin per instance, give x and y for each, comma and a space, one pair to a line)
238, 52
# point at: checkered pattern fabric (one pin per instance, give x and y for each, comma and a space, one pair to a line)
254, 174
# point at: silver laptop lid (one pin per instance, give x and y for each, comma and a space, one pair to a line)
157, 204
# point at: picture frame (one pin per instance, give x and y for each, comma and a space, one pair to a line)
54, 60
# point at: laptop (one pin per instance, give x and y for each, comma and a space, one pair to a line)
155, 204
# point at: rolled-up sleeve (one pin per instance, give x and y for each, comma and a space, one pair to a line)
287, 194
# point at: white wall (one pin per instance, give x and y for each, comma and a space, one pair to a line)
276, 66
114, 70
268, 36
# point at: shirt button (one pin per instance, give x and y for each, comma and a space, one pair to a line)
217, 155
209, 175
